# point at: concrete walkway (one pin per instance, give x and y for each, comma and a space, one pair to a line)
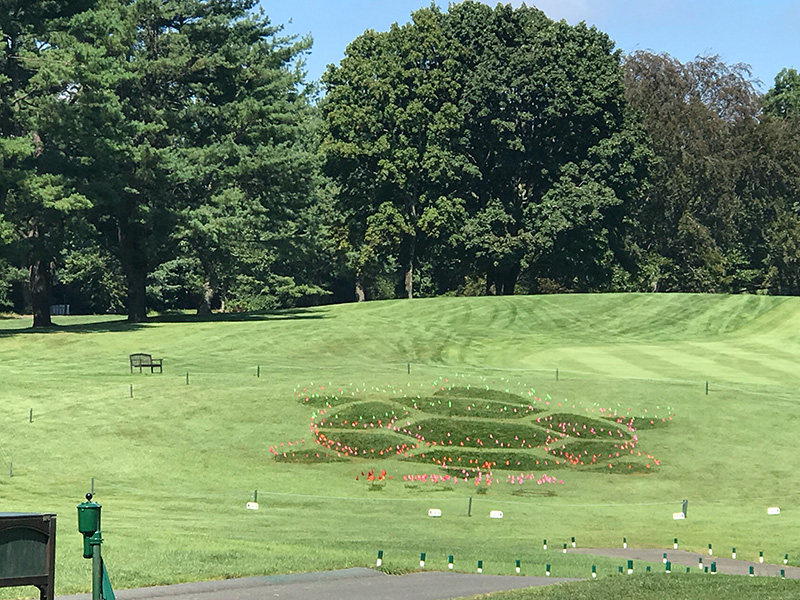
347, 584
681, 558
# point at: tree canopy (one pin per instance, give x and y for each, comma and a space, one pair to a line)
170, 154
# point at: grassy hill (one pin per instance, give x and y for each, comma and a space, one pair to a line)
175, 464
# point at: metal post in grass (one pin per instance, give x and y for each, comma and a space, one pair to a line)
594, 571
783, 573
630, 567
760, 556
675, 543
647, 569
710, 550
685, 508
480, 566
556, 374
469, 507
30, 420
668, 567
258, 371
379, 562
706, 388
518, 567
619, 569
131, 390
664, 560
409, 368
422, 560
713, 568
450, 562
733, 553
786, 559
573, 542
564, 551
752, 572
544, 544
625, 542
187, 377
700, 563
547, 571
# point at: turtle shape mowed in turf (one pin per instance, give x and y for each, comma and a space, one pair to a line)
468, 427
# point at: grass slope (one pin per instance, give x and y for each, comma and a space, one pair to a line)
175, 464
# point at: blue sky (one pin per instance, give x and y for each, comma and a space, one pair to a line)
762, 33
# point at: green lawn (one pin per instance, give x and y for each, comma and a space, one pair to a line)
175, 465
661, 587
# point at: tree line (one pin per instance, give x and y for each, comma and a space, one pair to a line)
169, 154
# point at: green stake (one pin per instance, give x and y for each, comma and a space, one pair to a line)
752, 574
480, 566
630, 567
518, 566
547, 571
669, 567
450, 562
379, 562
733, 552
422, 559
594, 572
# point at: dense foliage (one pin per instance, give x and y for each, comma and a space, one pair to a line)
165, 154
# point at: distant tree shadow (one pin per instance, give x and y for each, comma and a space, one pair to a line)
122, 325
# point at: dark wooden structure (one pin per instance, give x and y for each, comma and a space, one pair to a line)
145, 360
28, 551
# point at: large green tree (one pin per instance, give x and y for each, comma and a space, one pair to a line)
390, 123
483, 141
698, 116
188, 115
555, 157
37, 178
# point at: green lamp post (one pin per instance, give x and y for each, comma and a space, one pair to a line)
89, 526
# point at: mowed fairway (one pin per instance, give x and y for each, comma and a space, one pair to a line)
175, 464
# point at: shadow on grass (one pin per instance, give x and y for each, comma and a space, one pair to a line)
123, 325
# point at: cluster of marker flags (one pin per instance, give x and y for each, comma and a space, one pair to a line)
667, 563
328, 430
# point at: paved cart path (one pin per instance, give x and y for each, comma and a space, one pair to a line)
347, 584
691, 559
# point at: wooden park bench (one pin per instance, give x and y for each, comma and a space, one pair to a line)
145, 360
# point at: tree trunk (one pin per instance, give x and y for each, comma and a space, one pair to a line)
134, 264
210, 287
510, 280
408, 281
41, 285
360, 295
